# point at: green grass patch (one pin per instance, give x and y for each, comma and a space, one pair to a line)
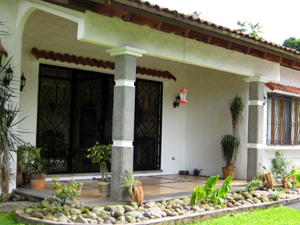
8, 218
281, 215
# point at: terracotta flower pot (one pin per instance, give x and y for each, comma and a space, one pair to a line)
38, 180
138, 194
228, 172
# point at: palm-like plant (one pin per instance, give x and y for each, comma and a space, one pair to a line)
8, 120
230, 143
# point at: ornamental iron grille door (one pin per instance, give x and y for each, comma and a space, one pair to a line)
147, 132
74, 111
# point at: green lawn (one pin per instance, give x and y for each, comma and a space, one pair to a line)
8, 218
274, 216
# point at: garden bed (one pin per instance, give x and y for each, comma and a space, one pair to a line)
165, 212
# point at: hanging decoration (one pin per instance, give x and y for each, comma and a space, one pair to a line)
183, 91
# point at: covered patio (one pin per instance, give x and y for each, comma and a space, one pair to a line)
156, 188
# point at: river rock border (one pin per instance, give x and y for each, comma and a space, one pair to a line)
21, 217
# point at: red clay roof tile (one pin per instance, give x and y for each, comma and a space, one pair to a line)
282, 87
96, 63
208, 23
3, 50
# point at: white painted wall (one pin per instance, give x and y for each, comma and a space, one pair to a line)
208, 118
291, 78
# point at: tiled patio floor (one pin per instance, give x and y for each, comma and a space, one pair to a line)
155, 188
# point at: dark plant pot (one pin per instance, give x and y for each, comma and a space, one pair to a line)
138, 196
228, 172
104, 189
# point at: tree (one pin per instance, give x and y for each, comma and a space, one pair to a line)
292, 43
195, 14
244, 27
8, 120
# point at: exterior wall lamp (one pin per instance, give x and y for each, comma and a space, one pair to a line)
8, 77
22, 82
176, 102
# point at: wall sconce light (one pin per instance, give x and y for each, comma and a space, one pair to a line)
8, 77
183, 93
22, 82
265, 100
176, 102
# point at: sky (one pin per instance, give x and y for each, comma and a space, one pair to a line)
279, 19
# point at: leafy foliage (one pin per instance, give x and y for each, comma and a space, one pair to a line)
281, 165
230, 145
210, 194
8, 120
275, 195
32, 153
101, 154
236, 107
195, 14
255, 28
292, 43
69, 191
251, 184
128, 182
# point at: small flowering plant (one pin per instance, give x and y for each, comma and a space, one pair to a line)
64, 192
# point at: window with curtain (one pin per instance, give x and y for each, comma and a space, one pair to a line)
283, 120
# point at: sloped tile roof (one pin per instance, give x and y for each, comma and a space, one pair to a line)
96, 63
185, 17
282, 87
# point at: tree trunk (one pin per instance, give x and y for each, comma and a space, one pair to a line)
231, 162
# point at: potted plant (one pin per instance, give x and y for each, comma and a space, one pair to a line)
230, 143
134, 187
101, 154
37, 172
267, 177
26, 153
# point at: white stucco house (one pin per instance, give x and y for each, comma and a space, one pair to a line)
110, 71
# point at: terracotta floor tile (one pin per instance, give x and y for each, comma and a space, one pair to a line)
152, 185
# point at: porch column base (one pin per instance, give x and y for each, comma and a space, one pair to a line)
255, 162
122, 159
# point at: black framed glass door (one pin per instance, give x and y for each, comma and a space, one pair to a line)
75, 110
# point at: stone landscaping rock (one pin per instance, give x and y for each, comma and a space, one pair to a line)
130, 219
37, 215
229, 204
133, 214
92, 216
75, 212
186, 200
128, 208
217, 207
111, 219
80, 219
97, 209
123, 214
